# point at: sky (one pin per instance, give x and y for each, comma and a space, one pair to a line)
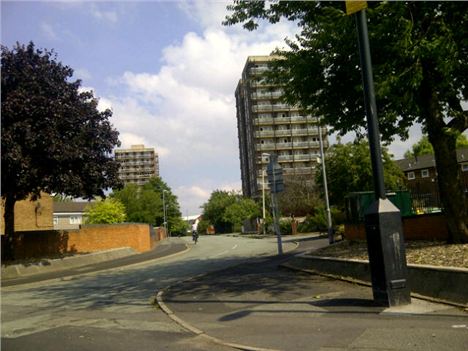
168, 71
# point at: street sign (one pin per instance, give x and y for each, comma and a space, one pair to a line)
275, 175
355, 6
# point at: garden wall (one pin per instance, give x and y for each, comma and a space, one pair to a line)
89, 238
421, 227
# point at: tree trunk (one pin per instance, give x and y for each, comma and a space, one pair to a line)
449, 180
9, 216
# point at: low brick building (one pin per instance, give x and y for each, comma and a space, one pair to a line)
31, 215
70, 214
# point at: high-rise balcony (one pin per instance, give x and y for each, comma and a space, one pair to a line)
284, 158
267, 146
263, 121
269, 107
282, 146
269, 95
258, 70
282, 132
265, 133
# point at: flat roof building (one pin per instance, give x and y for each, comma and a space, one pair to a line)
267, 125
137, 164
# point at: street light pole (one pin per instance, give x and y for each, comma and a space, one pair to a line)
263, 193
164, 211
331, 238
263, 199
384, 231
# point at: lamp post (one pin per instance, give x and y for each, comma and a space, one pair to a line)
331, 238
164, 211
263, 194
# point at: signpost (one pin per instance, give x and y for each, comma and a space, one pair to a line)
275, 182
384, 232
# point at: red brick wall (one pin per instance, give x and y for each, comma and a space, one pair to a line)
422, 227
100, 237
89, 238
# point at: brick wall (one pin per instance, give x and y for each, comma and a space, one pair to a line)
89, 238
422, 227
31, 215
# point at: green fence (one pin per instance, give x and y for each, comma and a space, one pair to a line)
358, 202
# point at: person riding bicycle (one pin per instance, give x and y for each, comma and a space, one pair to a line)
194, 233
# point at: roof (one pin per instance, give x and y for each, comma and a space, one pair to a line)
70, 206
427, 161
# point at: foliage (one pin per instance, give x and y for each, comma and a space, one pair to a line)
424, 147
106, 212
241, 210
299, 196
202, 226
420, 64
215, 207
285, 226
144, 204
54, 139
179, 227
227, 210
318, 220
349, 169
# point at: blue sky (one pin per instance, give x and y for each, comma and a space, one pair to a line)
168, 71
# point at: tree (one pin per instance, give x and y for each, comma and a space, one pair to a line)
424, 147
214, 209
54, 139
349, 169
241, 210
299, 196
420, 63
107, 211
173, 214
145, 204
142, 205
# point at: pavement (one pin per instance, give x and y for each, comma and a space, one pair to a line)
261, 306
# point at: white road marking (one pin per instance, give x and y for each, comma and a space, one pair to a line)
234, 247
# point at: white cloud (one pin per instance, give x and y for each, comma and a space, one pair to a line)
104, 15
187, 110
48, 31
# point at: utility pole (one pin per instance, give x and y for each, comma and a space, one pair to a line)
263, 195
275, 181
331, 236
164, 212
384, 232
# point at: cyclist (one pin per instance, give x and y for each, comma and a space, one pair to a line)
194, 233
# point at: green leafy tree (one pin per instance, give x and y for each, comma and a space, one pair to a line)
145, 204
173, 214
349, 169
424, 147
107, 211
54, 139
214, 209
241, 210
420, 63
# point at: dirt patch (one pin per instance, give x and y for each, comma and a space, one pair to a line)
433, 253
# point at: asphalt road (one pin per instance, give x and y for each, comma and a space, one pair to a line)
113, 309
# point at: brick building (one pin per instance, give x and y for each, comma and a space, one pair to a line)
31, 215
